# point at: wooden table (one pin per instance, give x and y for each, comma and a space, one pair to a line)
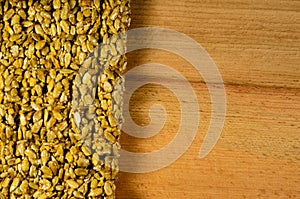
256, 47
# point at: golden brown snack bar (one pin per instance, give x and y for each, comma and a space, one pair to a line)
61, 65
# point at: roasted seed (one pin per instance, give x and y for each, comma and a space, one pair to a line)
73, 184
24, 187
46, 171
40, 44
8, 14
107, 188
97, 192
15, 184
65, 26
45, 157
37, 126
56, 4
86, 151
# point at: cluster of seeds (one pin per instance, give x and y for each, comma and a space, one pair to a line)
61, 86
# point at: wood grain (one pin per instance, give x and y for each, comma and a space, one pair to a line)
256, 46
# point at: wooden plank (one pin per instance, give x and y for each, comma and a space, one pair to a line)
256, 46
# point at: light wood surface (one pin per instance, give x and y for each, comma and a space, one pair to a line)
256, 46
